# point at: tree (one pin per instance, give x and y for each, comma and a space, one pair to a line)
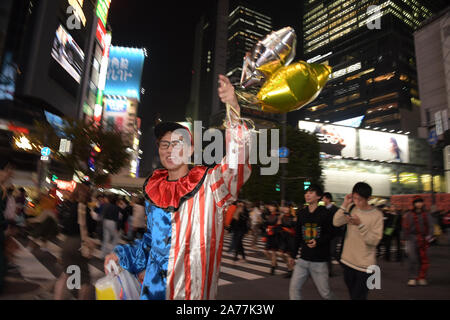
304, 165
107, 148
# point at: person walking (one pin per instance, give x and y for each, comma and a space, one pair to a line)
45, 226
256, 224
239, 228
393, 233
272, 234
418, 232
101, 201
126, 211
6, 172
314, 231
78, 246
139, 219
110, 214
181, 250
336, 240
364, 231
287, 248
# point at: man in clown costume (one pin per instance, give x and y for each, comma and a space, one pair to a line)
179, 255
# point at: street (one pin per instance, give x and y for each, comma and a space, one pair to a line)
37, 271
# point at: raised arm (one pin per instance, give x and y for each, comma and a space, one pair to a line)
234, 170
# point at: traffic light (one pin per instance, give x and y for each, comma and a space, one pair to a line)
277, 187
54, 178
306, 185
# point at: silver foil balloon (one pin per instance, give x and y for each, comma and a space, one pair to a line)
273, 52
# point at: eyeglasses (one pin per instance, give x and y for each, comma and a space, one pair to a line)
163, 144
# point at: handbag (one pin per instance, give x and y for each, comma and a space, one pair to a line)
119, 284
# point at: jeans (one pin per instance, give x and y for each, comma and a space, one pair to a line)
110, 236
319, 273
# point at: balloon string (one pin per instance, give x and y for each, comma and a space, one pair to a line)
228, 123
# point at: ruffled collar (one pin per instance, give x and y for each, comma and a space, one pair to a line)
170, 195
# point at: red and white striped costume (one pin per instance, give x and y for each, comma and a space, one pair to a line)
192, 211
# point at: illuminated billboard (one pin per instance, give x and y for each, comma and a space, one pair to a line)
334, 140
68, 53
383, 146
102, 10
116, 114
353, 122
124, 72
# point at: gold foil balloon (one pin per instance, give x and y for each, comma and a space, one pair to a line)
273, 52
293, 87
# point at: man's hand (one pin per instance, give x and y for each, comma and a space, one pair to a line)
354, 220
226, 93
312, 243
109, 257
347, 201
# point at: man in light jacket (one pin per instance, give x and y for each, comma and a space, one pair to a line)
364, 230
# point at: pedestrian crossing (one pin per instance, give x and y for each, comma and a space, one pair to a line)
40, 263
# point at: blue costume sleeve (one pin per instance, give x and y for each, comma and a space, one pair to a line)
134, 257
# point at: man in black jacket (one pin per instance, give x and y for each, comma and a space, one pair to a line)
239, 227
313, 234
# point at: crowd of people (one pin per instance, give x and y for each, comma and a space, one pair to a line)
313, 239
87, 222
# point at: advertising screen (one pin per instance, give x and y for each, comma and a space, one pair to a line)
57, 123
334, 140
68, 53
116, 114
124, 72
383, 146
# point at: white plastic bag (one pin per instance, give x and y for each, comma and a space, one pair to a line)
117, 285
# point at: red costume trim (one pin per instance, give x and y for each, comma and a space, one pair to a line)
169, 195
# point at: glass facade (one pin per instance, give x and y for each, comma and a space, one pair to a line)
245, 28
370, 46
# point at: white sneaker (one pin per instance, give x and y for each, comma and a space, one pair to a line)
422, 282
412, 283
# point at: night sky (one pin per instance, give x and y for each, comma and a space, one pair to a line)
166, 29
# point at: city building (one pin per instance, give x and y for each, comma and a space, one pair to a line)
246, 26
225, 33
209, 61
433, 69
44, 53
92, 91
432, 42
370, 46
